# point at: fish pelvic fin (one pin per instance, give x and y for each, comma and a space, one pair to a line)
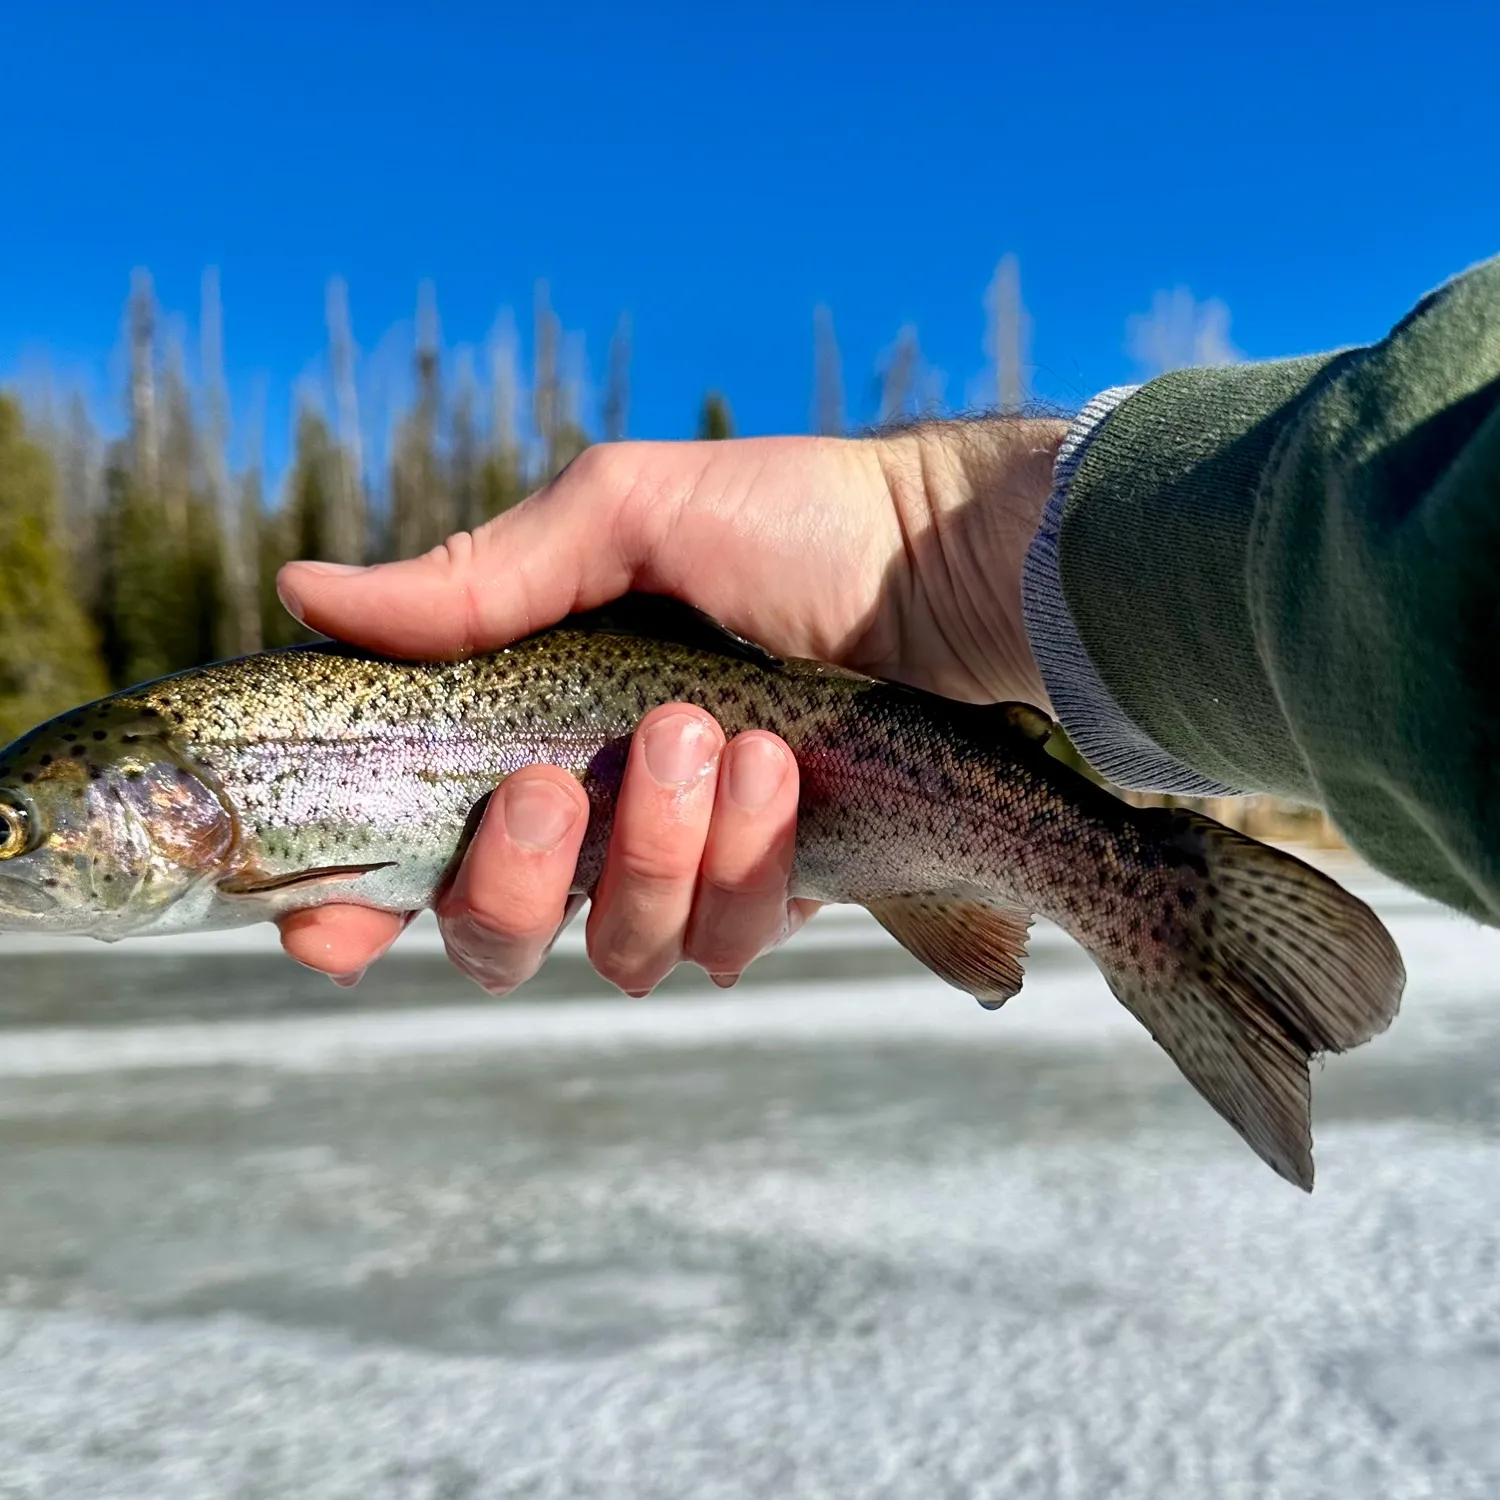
1266, 962
973, 944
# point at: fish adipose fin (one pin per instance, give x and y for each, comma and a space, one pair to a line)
1265, 963
972, 944
255, 883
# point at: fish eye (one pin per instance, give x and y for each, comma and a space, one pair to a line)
15, 830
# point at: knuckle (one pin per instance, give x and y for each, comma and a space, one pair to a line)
724, 949
659, 861
628, 958
494, 939
594, 466
633, 973
761, 876
456, 558
724, 955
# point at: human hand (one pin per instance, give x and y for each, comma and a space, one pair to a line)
900, 556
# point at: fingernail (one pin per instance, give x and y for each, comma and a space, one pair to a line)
291, 603
289, 600
537, 814
725, 981
679, 749
757, 767
347, 981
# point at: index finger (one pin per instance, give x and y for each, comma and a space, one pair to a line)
584, 540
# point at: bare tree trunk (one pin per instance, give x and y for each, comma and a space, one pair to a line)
544, 391
179, 441
82, 475
347, 531
419, 496
898, 383
828, 376
242, 608
145, 448
1009, 335
505, 386
463, 466
248, 526
617, 390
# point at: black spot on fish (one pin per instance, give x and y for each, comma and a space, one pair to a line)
78, 750
100, 734
1187, 895
28, 777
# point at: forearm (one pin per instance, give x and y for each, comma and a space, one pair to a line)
1284, 576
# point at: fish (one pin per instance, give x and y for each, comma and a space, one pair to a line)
244, 790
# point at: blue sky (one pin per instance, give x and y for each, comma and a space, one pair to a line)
719, 170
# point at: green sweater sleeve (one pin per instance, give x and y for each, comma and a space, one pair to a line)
1287, 575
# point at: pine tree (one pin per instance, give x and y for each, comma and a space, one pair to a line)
715, 420
49, 659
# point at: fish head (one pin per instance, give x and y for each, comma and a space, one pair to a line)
105, 824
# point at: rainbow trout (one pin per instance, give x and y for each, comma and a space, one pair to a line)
237, 792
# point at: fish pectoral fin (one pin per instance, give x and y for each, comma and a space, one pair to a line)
1028, 721
975, 945
257, 883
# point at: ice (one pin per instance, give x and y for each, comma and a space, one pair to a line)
818, 1237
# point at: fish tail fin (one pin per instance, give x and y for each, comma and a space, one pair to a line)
1258, 964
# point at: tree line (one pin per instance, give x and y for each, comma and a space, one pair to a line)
124, 558
129, 556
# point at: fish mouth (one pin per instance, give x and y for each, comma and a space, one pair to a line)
24, 898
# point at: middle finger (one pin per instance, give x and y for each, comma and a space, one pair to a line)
645, 893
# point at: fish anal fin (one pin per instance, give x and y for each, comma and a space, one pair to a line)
257, 883
975, 945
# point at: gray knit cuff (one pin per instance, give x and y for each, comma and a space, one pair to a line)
1112, 742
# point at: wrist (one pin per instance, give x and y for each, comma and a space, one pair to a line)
969, 496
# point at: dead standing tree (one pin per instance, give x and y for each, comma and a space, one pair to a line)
241, 544
145, 450
828, 376
347, 540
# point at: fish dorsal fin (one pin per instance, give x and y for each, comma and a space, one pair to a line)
974, 945
658, 617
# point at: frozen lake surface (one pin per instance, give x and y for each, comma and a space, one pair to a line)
839, 1233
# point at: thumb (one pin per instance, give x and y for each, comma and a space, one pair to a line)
566, 548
